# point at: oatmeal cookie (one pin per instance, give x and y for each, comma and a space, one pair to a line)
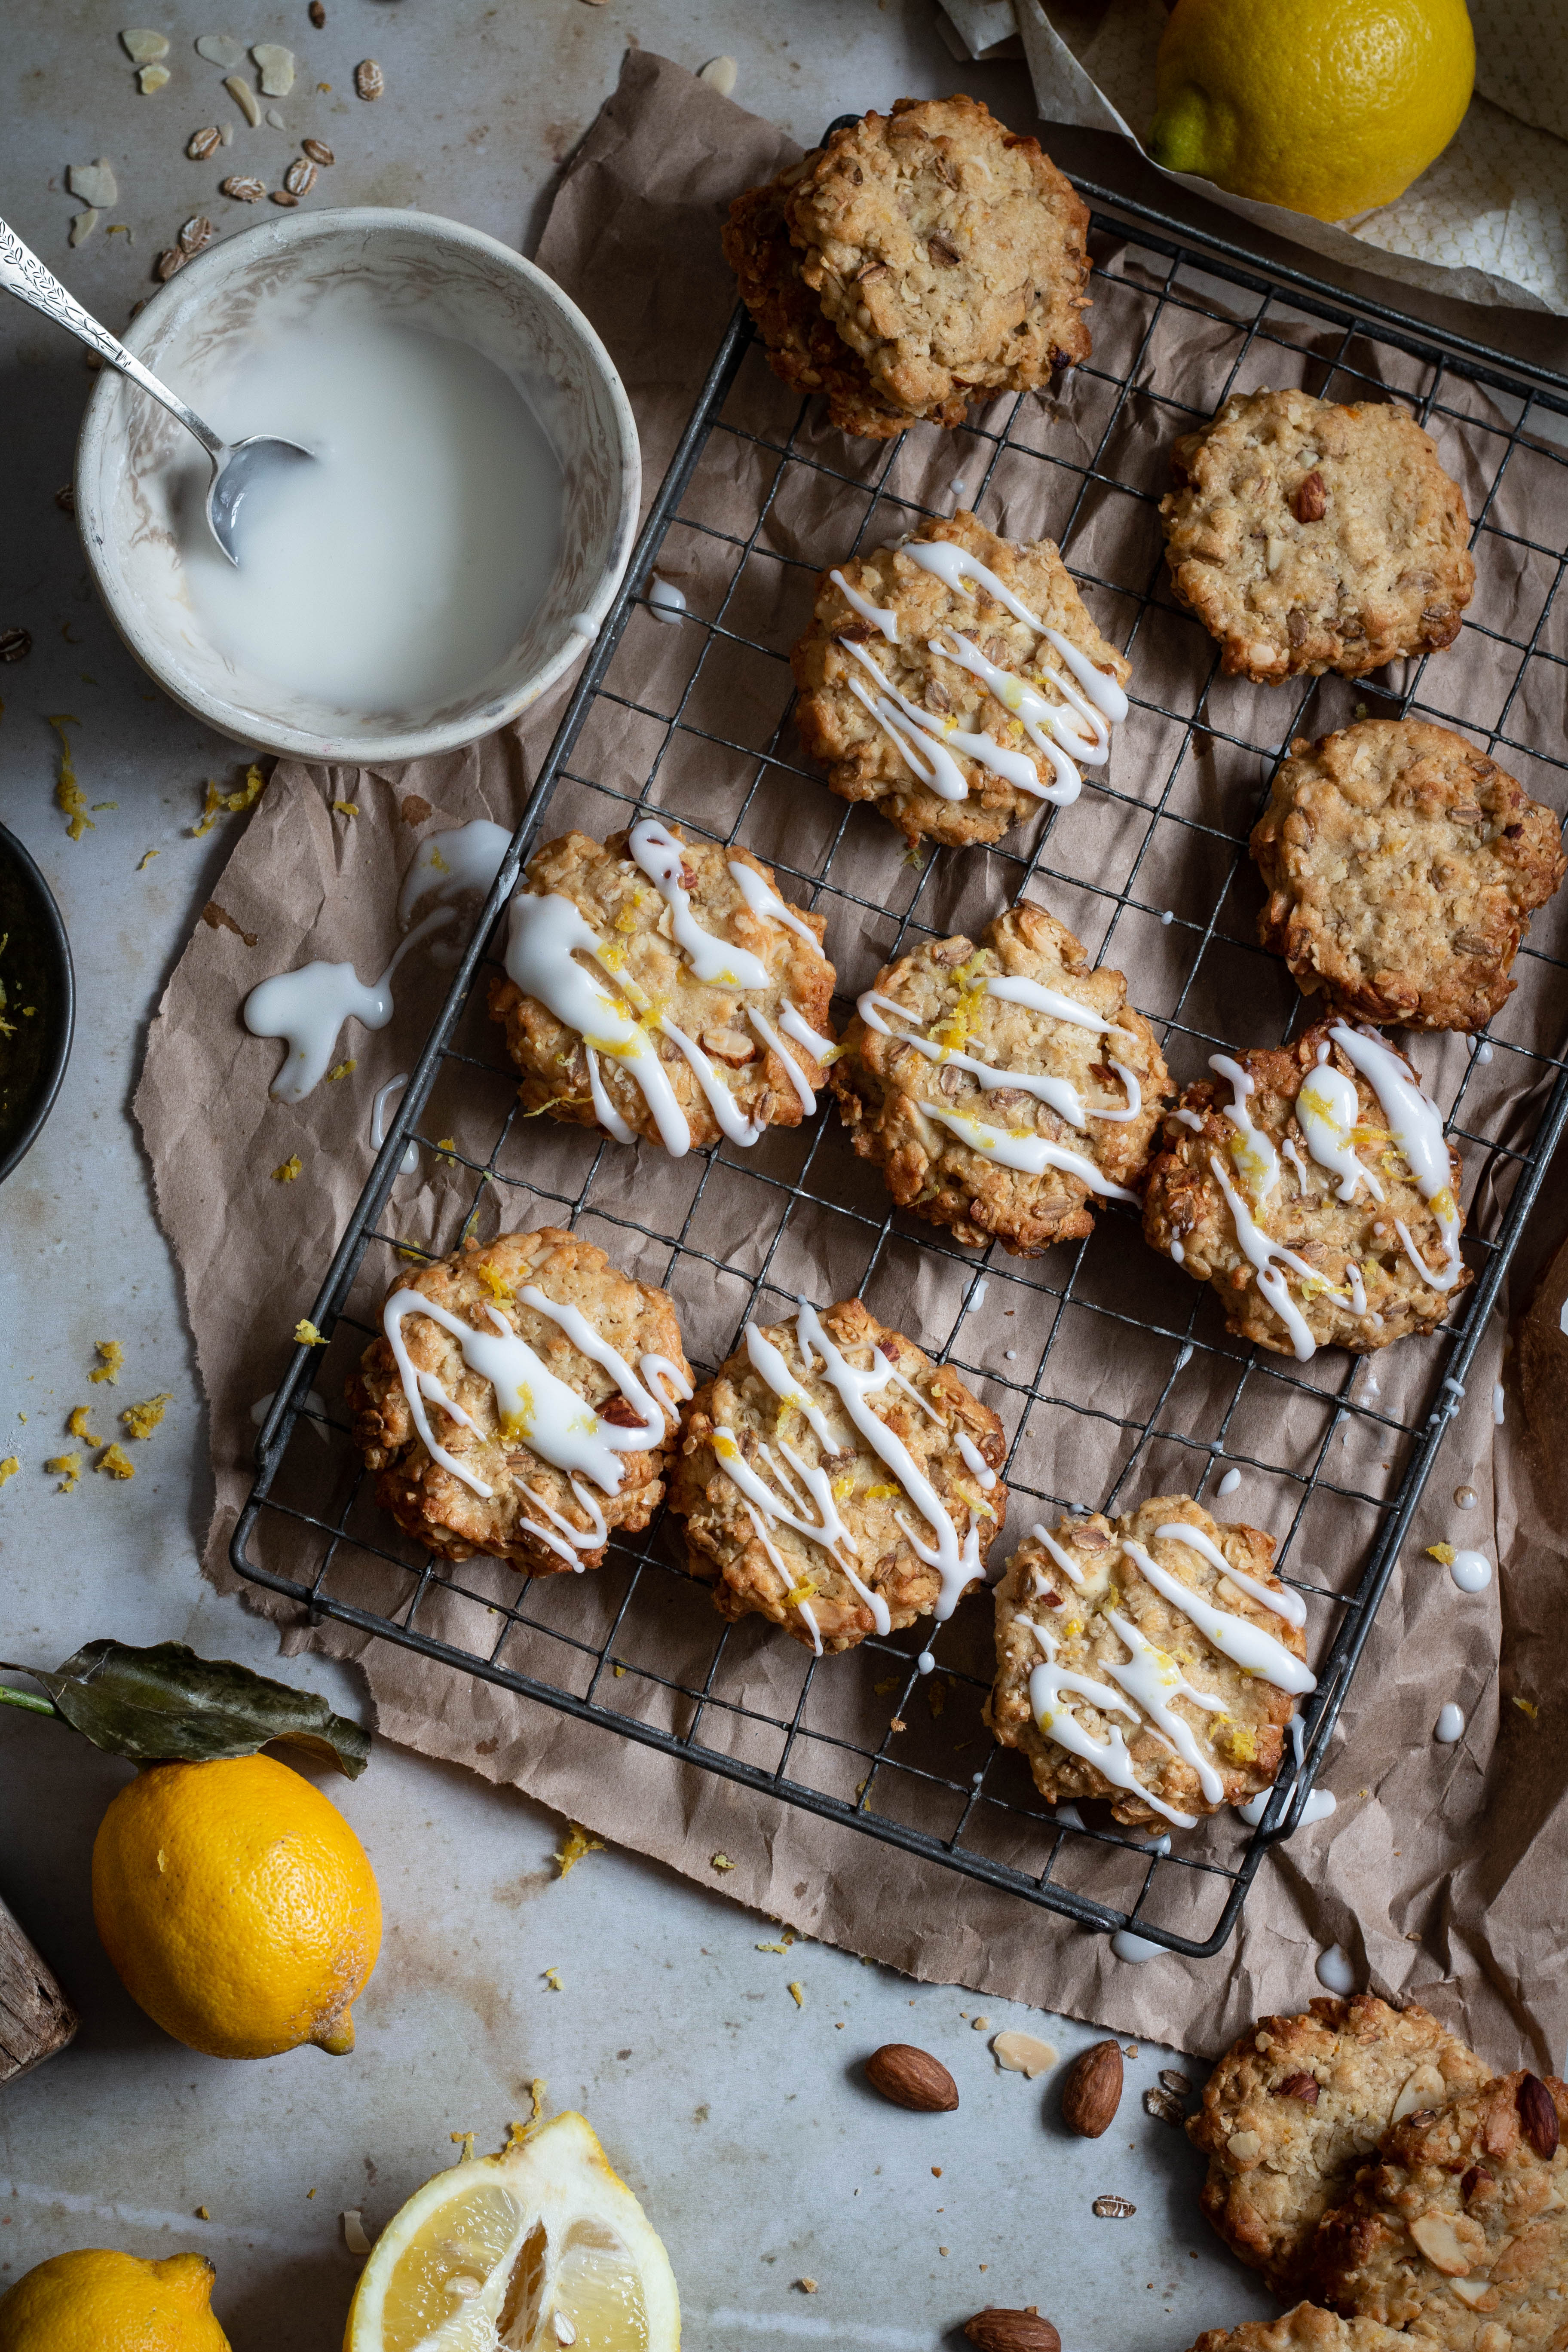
802, 348
1308, 537
1312, 1186
835, 1480
1403, 866
1154, 1668
947, 252
924, 691
1305, 2329
985, 1110
1458, 2232
522, 1401
1298, 2103
659, 989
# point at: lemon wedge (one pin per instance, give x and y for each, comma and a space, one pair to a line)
539, 2248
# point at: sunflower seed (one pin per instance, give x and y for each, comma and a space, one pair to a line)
16, 645
300, 176
368, 81
244, 97
318, 151
318, 14
720, 74
83, 225
221, 49
93, 182
275, 65
168, 261
203, 144
197, 232
1113, 2209
282, 196
145, 49
243, 190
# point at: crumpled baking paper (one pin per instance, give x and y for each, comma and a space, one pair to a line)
1426, 1874
1488, 222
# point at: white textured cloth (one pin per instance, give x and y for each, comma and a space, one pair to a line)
1488, 222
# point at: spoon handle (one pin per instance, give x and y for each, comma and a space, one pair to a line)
24, 275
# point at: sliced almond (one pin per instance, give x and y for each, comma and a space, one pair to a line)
1022, 2053
1434, 2233
1470, 2291
720, 74
1244, 2146
244, 98
145, 49
1425, 2088
93, 182
152, 79
369, 81
732, 1046
221, 49
275, 65
83, 225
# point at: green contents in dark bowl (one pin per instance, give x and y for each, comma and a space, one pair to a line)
37, 1000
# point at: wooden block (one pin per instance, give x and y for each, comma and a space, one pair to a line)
36, 2018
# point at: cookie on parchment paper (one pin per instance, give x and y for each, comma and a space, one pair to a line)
1304, 2329
775, 1472
1105, 1632
1403, 866
1298, 2103
938, 1074
1309, 537
525, 1453
877, 638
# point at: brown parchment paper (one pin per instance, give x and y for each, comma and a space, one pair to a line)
1441, 1874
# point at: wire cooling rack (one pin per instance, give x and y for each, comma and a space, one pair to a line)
1100, 1351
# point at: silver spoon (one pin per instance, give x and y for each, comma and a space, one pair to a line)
236, 465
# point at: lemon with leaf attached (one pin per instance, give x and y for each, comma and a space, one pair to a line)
1328, 107
539, 2248
96, 2300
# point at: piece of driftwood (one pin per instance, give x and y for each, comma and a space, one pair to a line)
36, 2018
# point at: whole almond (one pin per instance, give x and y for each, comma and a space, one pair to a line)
1092, 2091
912, 2078
993, 2330
1297, 2087
1537, 2116
1310, 503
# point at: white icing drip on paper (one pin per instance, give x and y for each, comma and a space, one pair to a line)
1416, 1126
1336, 1971
1450, 1724
1471, 1570
1230, 1482
448, 864
307, 1009
1281, 1600
1129, 1947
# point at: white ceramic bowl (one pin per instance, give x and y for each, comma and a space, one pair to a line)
451, 279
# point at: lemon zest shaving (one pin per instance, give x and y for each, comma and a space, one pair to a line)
68, 1468
218, 802
10, 1467
115, 1460
113, 1356
142, 1420
1526, 1706
798, 1594
1441, 1551
344, 1069
551, 1978
147, 858
286, 1169
346, 808
577, 1843
719, 1862
797, 1992
465, 2140
76, 1426
69, 798
306, 1334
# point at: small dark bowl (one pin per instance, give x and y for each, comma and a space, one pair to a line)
35, 971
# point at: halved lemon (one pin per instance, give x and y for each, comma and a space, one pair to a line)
530, 2250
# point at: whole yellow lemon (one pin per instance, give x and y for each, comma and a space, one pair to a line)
1330, 106
237, 1905
98, 2300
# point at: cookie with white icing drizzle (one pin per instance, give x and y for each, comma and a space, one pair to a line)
1312, 1185
957, 681
1002, 1089
1153, 1659
522, 1401
834, 1479
661, 990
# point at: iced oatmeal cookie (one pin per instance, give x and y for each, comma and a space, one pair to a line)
1154, 1659
947, 252
660, 989
1305, 2329
833, 1478
1458, 2233
1298, 2103
1002, 1089
1403, 866
1312, 1185
957, 681
1310, 537
522, 1401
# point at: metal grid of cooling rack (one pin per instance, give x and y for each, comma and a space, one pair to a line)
637, 1650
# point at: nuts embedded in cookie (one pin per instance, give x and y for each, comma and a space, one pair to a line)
520, 1401
1309, 537
957, 681
661, 990
1458, 2232
1305, 2329
1403, 866
1313, 1187
1298, 2103
1154, 1659
947, 251
835, 1480
1002, 1089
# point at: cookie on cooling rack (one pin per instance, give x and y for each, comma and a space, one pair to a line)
957, 681
1403, 866
1458, 2231
1153, 1659
1305, 2329
660, 990
947, 252
522, 1401
1298, 2104
1309, 537
1312, 1184
1002, 1089
833, 1478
